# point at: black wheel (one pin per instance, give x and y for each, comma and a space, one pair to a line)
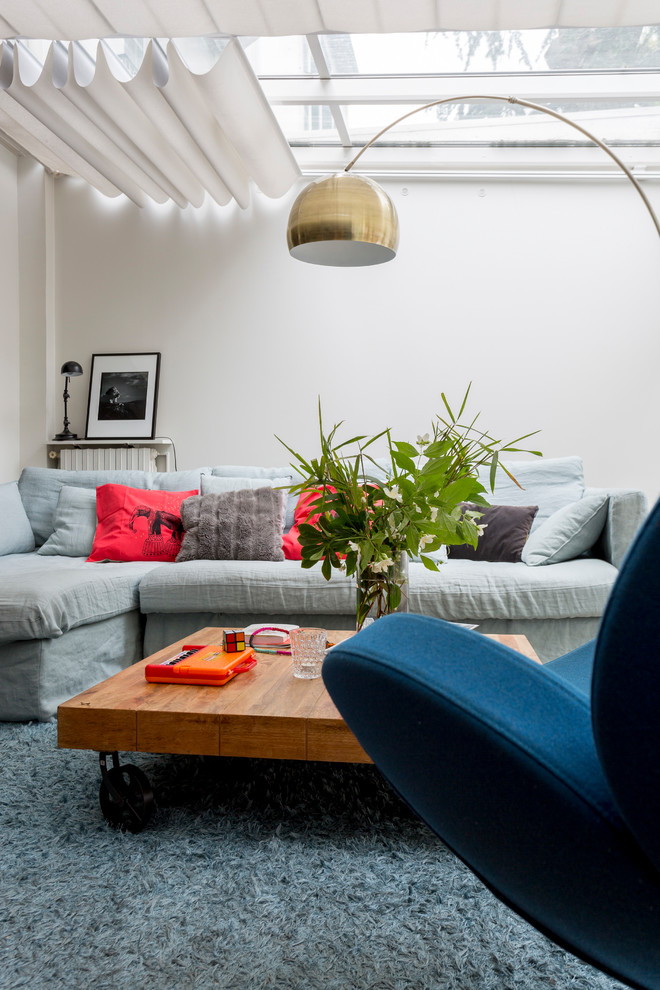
126, 797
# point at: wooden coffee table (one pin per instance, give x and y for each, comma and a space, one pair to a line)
265, 712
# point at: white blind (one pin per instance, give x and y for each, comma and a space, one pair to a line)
167, 133
79, 19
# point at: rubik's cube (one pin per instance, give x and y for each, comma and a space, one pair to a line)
233, 641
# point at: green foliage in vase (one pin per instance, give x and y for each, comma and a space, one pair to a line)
365, 522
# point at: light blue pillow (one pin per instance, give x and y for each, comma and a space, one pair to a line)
40, 488
254, 478
567, 533
212, 484
249, 471
549, 482
16, 534
75, 524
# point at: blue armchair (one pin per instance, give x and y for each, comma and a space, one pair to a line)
544, 780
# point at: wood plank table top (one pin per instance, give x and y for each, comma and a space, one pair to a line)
265, 712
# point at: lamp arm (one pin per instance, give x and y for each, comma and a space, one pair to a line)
532, 106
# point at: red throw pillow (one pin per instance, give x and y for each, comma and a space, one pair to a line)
137, 523
302, 514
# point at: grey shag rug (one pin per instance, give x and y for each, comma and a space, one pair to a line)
252, 874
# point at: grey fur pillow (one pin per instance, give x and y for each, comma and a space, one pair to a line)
241, 525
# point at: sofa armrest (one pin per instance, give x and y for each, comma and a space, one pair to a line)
626, 511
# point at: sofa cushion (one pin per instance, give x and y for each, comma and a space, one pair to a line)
212, 485
42, 597
250, 471
550, 483
234, 525
506, 527
462, 590
16, 534
302, 514
261, 587
567, 533
255, 471
137, 524
626, 510
75, 524
40, 489
473, 591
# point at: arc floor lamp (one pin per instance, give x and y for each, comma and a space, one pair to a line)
348, 220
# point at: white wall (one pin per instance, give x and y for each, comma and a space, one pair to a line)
40, 383
9, 323
543, 294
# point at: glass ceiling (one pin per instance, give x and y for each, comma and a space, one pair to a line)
493, 51
558, 49
571, 70
332, 93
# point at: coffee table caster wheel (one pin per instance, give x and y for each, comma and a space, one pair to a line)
125, 795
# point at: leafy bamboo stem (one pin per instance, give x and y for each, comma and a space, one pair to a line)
357, 519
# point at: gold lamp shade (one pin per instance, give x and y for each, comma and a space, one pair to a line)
344, 220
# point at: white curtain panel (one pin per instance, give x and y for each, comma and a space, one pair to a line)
168, 133
164, 134
80, 19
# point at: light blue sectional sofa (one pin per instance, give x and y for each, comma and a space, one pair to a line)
66, 624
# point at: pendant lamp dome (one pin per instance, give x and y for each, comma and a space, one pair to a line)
344, 220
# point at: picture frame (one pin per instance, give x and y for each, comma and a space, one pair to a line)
123, 396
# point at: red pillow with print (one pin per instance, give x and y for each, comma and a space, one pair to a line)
302, 514
137, 524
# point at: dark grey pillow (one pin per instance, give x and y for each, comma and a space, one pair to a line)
241, 525
507, 529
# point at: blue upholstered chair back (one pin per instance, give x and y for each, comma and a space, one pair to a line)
626, 689
552, 797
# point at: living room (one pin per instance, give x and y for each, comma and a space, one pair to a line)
526, 266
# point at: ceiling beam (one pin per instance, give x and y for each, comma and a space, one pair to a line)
537, 86
480, 163
324, 73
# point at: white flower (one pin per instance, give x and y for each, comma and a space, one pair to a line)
423, 441
394, 493
423, 540
353, 546
472, 515
382, 565
434, 513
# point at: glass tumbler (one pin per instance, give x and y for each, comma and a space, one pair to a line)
307, 651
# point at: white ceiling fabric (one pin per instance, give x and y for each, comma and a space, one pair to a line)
164, 134
168, 133
81, 19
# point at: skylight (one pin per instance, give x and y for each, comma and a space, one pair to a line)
331, 93
335, 91
561, 49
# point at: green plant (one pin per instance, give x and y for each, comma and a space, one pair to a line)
364, 522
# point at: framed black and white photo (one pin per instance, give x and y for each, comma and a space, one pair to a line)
123, 395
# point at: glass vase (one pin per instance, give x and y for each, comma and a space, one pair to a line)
381, 592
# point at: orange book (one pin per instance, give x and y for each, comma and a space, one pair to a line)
200, 665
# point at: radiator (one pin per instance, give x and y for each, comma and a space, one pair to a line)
108, 459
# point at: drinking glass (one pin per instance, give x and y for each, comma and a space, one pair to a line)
307, 651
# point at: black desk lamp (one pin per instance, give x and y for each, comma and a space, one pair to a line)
70, 369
